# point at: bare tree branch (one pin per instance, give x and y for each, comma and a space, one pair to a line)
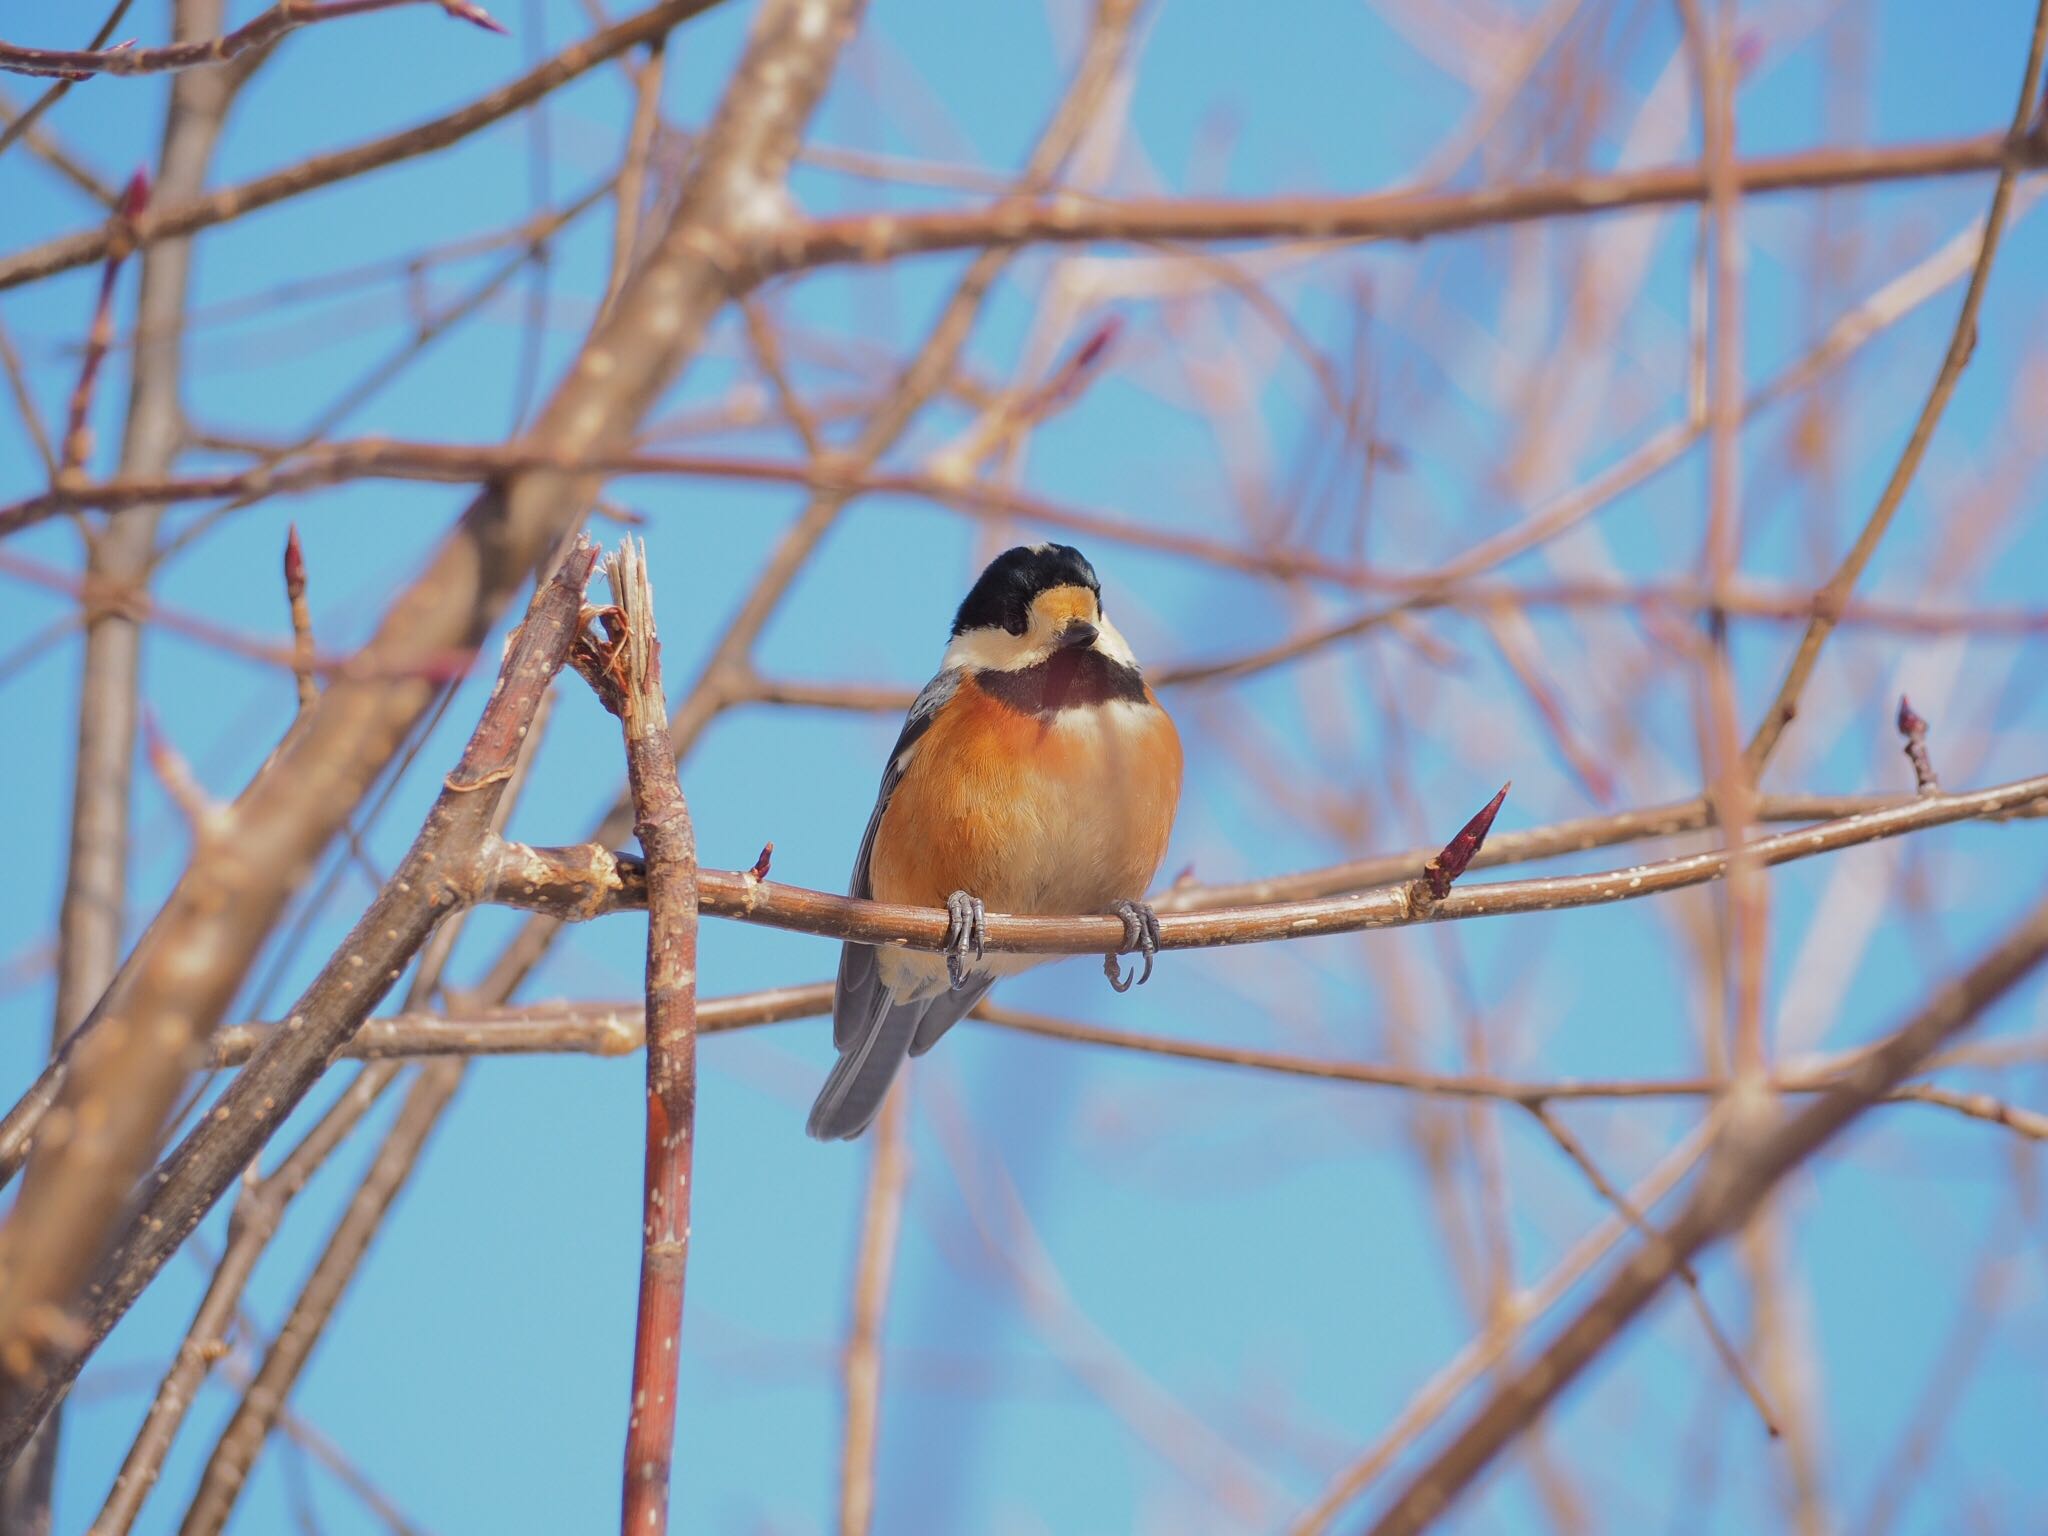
1741, 1175
201, 212
450, 857
1376, 216
177, 983
1834, 596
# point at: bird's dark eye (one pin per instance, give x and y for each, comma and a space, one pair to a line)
1017, 623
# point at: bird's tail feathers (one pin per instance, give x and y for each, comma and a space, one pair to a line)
868, 1063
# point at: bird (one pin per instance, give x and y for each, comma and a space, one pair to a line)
1036, 773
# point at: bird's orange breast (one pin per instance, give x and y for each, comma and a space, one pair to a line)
1062, 813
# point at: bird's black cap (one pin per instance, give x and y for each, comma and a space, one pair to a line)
1001, 599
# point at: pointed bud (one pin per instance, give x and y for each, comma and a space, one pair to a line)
294, 565
1460, 851
135, 196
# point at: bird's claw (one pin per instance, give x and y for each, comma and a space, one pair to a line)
966, 930
1141, 934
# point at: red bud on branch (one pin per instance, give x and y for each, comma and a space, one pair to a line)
1459, 852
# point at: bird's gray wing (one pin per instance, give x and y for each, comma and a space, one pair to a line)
874, 1033
941, 1013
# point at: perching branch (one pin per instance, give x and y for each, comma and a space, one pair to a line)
587, 881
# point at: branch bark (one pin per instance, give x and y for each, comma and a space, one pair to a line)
629, 681
586, 881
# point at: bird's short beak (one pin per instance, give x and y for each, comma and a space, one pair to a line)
1077, 633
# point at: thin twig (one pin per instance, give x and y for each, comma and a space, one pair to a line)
196, 212
881, 1219
255, 1219
45, 147
857, 238
586, 881
286, 16
302, 618
25, 405
1914, 730
1834, 595
77, 444
632, 183
25, 123
1738, 1369
614, 1029
234, 1453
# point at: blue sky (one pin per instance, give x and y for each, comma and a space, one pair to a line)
1264, 1253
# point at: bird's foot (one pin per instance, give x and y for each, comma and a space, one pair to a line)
1141, 934
966, 932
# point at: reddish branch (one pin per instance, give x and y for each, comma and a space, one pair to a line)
77, 445
627, 674
878, 237
285, 16
23, 126
303, 654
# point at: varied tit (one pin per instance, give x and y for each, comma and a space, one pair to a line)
1035, 774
